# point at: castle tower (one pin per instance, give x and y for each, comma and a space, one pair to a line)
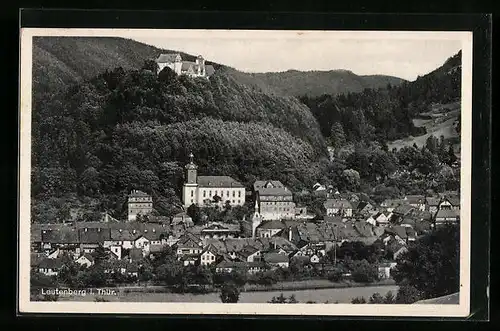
190, 187
256, 219
200, 61
178, 64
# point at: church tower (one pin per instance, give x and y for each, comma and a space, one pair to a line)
190, 188
256, 219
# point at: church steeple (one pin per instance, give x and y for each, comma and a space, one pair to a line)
191, 170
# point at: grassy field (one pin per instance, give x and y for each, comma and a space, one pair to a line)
442, 124
332, 295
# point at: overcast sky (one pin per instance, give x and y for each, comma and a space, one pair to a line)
402, 56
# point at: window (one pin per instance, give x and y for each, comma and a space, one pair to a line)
233, 201
239, 194
227, 193
234, 194
204, 193
192, 193
210, 193
239, 201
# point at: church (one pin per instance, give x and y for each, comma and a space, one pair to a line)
198, 68
205, 190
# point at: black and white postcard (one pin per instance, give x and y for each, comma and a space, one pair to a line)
245, 172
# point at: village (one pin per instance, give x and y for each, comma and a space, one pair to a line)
277, 233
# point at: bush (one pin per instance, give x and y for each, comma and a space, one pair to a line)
230, 293
358, 300
364, 272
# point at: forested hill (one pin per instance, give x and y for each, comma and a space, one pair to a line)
62, 61
316, 83
128, 129
387, 114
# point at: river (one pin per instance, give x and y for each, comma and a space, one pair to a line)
332, 295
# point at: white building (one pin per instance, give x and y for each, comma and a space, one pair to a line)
182, 67
205, 190
139, 203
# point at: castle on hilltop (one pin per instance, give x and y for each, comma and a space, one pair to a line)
181, 67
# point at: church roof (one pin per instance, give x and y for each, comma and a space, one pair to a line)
218, 181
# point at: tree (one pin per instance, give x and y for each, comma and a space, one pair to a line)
363, 272
450, 156
358, 300
167, 75
150, 65
430, 267
230, 293
408, 294
389, 298
99, 255
376, 298
351, 178
337, 135
194, 212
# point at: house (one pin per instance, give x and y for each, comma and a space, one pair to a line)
208, 255
432, 204
384, 270
180, 66
219, 231
274, 200
203, 190
364, 208
314, 258
139, 203
231, 266
319, 187
91, 238
269, 228
371, 220
417, 201
381, 219
62, 239
339, 207
276, 260
85, 259
450, 202
121, 237
188, 244
182, 218
390, 204
50, 267
447, 216
249, 254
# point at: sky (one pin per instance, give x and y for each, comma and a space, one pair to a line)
402, 55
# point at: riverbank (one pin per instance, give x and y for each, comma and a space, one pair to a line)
325, 295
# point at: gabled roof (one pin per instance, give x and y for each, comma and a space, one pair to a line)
168, 58
447, 213
124, 235
274, 224
260, 184
341, 204
432, 201
156, 248
403, 209
400, 231
392, 203
274, 191
453, 199
247, 251
60, 236
87, 256
94, 236
218, 181
137, 193
275, 258
210, 248
333, 219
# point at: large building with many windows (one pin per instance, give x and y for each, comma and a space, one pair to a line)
139, 203
206, 190
274, 200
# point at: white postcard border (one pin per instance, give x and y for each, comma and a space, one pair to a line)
424, 310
